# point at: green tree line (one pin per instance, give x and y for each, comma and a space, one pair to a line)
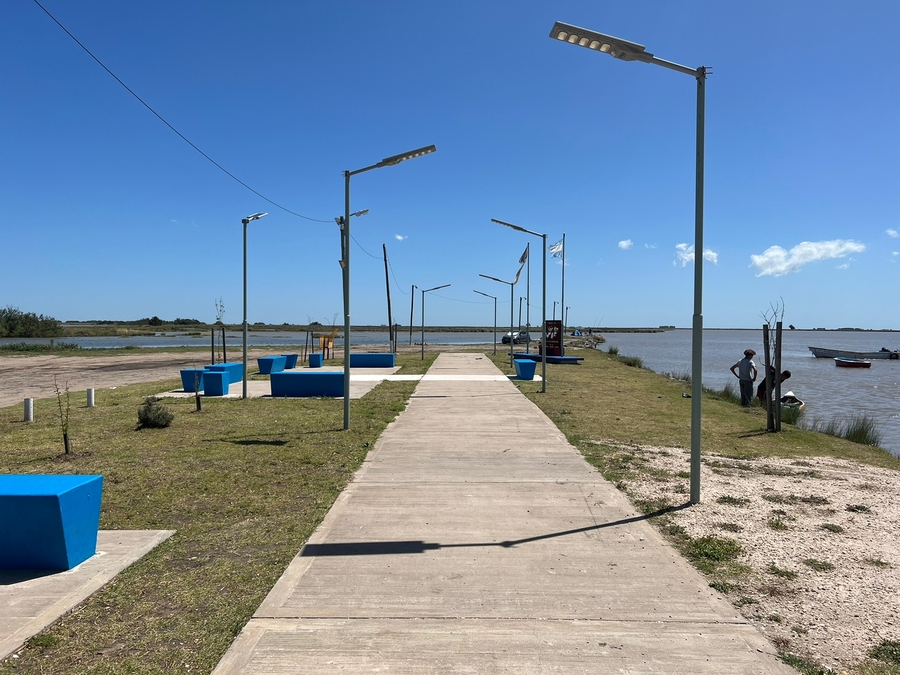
18, 324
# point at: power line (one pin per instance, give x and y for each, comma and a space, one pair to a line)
163, 120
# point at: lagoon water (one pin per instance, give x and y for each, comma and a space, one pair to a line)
829, 392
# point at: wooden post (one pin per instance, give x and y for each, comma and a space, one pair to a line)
224, 350
770, 420
777, 378
212, 345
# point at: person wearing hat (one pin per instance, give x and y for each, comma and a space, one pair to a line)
745, 371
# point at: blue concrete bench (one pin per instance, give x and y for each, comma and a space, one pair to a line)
215, 382
525, 369
48, 522
235, 370
315, 360
372, 360
192, 379
290, 361
305, 383
271, 364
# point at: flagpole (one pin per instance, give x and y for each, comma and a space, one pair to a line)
562, 341
528, 300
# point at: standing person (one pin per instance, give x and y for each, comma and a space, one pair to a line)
745, 371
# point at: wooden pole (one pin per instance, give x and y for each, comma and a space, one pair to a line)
770, 420
777, 377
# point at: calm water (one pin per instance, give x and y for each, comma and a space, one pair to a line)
274, 339
829, 392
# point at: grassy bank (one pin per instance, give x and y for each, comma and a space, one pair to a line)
244, 483
604, 403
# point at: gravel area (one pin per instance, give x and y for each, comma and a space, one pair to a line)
819, 536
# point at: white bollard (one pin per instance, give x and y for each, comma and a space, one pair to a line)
29, 410
90, 398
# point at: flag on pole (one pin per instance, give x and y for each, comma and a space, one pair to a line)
556, 250
523, 257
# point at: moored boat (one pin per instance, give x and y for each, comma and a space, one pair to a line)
852, 363
789, 400
824, 353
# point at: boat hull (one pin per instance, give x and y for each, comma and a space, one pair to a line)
823, 353
852, 363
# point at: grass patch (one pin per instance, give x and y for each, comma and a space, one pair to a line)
729, 527
50, 348
777, 523
732, 501
862, 429
877, 562
780, 572
805, 666
831, 527
887, 651
858, 508
818, 565
243, 483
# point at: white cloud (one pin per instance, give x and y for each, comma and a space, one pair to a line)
650, 246
895, 253
891, 232
684, 253
776, 261
626, 244
400, 237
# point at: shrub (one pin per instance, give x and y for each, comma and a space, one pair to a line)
613, 350
861, 429
633, 361
154, 415
733, 501
831, 527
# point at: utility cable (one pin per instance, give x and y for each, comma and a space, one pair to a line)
163, 120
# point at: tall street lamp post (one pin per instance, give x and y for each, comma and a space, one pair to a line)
345, 267
631, 51
512, 341
427, 290
543, 298
495, 317
248, 219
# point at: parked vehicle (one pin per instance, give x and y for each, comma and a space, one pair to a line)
519, 337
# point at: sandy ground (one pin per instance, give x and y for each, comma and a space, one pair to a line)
24, 377
789, 515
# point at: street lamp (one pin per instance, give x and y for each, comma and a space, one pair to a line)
495, 317
631, 51
345, 268
255, 216
543, 299
427, 290
511, 338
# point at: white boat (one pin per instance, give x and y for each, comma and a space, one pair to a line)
824, 353
789, 400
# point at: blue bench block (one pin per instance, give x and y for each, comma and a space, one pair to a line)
48, 522
235, 370
290, 361
190, 376
315, 360
525, 369
271, 364
372, 360
306, 383
215, 382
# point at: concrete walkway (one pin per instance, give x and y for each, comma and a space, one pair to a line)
475, 539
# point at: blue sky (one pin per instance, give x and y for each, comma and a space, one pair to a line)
107, 214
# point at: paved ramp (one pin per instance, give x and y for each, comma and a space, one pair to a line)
475, 539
